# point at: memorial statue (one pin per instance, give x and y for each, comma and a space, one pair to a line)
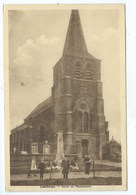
60, 146
46, 148
34, 148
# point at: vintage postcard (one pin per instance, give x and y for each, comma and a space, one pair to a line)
65, 100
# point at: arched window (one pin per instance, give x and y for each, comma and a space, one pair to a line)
43, 134
78, 69
79, 121
91, 119
89, 72
86, 122
82, 117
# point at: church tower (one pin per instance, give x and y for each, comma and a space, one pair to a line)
78, 103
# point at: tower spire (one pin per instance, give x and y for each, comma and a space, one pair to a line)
75, 42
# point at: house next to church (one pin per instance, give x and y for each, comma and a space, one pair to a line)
71, 120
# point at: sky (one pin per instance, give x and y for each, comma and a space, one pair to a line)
36, 42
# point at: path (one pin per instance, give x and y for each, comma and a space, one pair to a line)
72, 175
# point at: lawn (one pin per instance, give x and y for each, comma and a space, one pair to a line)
75, 182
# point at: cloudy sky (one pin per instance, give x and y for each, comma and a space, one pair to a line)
36, 41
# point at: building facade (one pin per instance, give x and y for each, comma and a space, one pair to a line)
112, 151
71, 120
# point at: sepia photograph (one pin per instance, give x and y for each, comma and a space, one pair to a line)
65, 103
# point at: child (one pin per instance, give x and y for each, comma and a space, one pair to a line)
41, 168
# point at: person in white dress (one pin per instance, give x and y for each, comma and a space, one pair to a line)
33, 166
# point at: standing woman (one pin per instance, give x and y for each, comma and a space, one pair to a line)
33, 166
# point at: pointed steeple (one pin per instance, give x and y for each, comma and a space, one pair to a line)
75, 42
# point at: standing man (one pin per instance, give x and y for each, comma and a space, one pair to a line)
65, 167
41, 168
87, 161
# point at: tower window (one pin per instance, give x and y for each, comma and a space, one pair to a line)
89, 72
78, 70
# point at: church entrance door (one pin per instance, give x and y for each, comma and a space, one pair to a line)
84, 147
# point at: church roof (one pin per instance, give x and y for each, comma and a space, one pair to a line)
41, 107
75, 44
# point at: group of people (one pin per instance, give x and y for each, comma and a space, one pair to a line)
32, 169
65, 165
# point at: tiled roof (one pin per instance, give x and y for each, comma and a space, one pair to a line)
41, 107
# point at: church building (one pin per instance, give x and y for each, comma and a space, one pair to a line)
72, 120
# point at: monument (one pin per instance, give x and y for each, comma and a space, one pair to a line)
46, 148
34, 148
60, 146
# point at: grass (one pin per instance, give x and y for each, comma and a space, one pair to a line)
75, 182
98, 167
